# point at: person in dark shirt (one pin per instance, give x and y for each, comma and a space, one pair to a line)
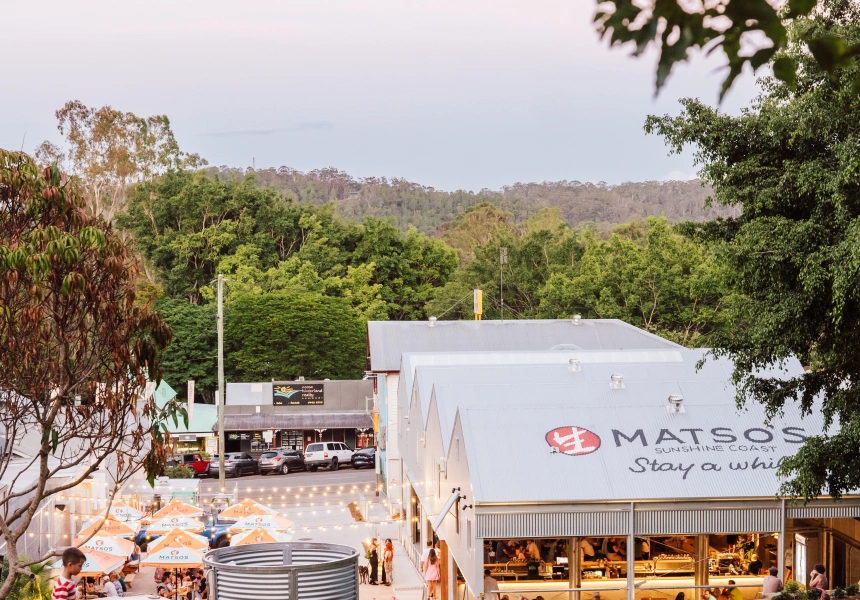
755, 566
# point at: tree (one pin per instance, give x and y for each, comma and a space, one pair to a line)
75, 350
676, 26
285, 335
541, 246
664, 283
109, 150
193, 352
791, 163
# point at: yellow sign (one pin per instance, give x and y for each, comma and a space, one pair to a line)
479, 304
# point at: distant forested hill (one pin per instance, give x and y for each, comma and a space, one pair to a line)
427, 208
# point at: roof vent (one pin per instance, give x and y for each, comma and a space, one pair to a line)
616, 381
575, 365
432, 321
577, 319
675, 403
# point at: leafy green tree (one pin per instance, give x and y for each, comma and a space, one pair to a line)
535, 250
793, 255
665, 284
284, 335
192, 353
35, 584
676, 26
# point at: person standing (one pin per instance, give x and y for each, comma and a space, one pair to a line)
425, 554
388, 563
64, 588
491, 586
374, 562
431, 573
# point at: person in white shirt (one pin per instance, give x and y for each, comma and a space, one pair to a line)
109, 588
491, 586
587, 549
425, 554
532, 550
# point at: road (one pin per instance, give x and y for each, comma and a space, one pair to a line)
304, 488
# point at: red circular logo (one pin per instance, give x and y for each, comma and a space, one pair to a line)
258, 520
573, 440
174, 552
174, 520
100, 542
118, 511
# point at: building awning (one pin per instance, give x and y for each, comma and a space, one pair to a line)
264, 421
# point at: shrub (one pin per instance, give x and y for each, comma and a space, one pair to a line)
179, 472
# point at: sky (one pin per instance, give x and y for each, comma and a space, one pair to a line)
453, 94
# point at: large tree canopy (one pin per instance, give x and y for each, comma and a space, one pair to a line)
792, 163
285, 335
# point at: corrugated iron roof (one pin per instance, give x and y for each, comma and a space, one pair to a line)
263, 421
644, 452
389, 340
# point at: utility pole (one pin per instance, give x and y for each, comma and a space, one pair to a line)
503, 260
221, 443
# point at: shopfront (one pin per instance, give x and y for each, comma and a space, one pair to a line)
629, 474
293, 414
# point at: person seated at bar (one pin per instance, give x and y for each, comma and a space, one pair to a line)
615, 552
731, 592
520, 554
587, 549
708, 595
771, 583
532, 551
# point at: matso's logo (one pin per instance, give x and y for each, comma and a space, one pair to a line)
573, 440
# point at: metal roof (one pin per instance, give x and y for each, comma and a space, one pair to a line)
642, 451
389, 340
513, 384
263, 421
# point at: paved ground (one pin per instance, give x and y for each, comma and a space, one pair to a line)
318, 504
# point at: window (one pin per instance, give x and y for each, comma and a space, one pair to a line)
315, 447
291, 438
469, 535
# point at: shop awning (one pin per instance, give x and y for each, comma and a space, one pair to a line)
264, 421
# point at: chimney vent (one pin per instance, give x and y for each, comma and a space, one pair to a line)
675, 403
432, 321
575, 365
616, 381
577, 319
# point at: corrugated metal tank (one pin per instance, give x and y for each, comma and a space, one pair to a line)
287, 571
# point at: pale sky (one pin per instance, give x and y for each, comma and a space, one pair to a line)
447, 93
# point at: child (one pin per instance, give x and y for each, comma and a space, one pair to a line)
64, 588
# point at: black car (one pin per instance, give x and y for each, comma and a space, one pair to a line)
235, 463
281, 461
366, 457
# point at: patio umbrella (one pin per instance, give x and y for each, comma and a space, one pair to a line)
179, 539
260, 536
177, 508
121, 512
264, 521
174, 558
246, 508
169, 524
109, 545
96, 564
109, 526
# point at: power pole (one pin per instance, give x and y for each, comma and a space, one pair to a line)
503, 260
221, 443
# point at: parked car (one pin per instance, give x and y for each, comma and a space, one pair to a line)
327, 454
366, 457
281, 461
235, 464
195, 461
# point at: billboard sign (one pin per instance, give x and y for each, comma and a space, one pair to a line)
298, 393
